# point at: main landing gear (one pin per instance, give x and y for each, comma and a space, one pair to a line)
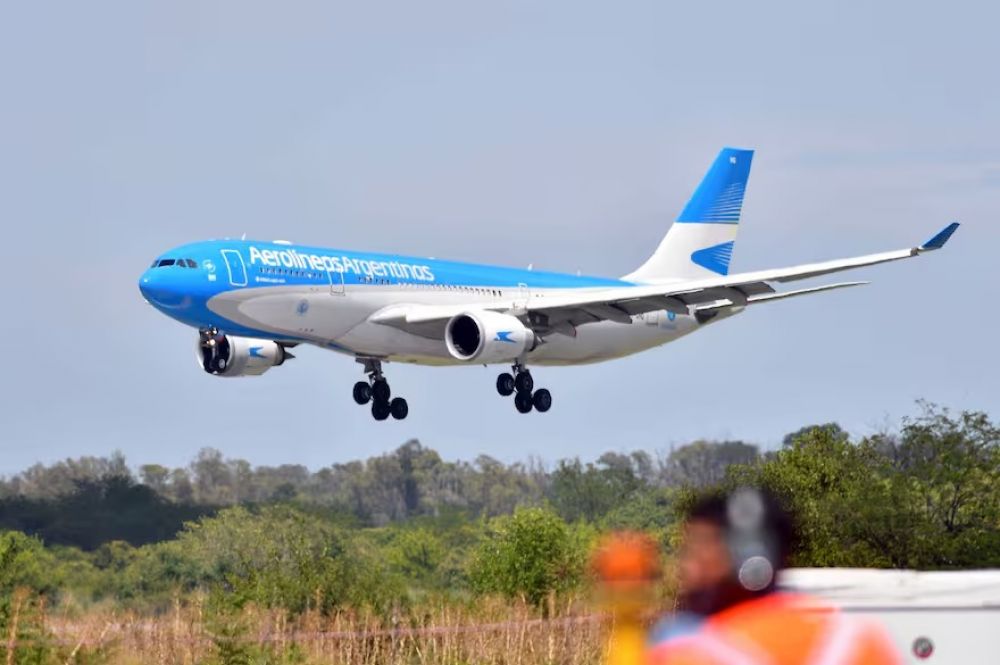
522, 386
376, 390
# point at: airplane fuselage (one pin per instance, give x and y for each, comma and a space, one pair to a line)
327, 298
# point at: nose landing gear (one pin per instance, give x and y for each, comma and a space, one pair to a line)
522, 386
376, 390
214, 350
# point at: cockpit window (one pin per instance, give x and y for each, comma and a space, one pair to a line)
180, 263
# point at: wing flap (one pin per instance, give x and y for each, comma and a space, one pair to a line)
784, 294
607, 311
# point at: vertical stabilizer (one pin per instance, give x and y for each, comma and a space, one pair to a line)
700, 243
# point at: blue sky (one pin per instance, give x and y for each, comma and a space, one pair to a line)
563, 134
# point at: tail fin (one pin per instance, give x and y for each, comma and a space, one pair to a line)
700, 242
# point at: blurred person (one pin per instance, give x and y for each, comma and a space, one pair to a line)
729, 608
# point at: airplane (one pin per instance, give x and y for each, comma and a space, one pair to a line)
253, 301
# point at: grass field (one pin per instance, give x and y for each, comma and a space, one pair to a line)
493, 632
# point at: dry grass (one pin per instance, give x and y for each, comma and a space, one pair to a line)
491, 633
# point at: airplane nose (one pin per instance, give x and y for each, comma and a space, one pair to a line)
162, 289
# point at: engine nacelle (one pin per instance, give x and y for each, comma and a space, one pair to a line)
487, 337
227, 355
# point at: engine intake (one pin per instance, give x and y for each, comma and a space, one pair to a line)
229, 356
487, 337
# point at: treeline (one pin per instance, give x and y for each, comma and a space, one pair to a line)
407, 525
91, 500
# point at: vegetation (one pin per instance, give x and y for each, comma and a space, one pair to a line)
531, 555
394, 556
926, 497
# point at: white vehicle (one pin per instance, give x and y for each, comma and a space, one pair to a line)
937, 618
252, 301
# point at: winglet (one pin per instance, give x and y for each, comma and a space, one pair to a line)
938, 241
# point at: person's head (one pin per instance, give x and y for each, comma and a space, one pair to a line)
733, 545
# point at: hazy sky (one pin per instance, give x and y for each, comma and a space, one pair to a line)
563, 134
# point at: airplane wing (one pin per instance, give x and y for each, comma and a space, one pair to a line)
563, 313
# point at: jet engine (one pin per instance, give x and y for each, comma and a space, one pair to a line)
227, 355
487, 337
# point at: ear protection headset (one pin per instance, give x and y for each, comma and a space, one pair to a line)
752, 546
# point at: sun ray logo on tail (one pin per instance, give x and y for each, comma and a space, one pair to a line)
716, 258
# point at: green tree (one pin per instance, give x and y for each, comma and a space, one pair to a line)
96, 512
948, 468
926, 498
704, 463
213, 478
652, 511
588, 492
26, 571
530, 555
279, 556
833, 429
24, 562
155, 477
831, 485
417, 554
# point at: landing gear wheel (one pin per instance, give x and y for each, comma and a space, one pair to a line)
522, 402
380, 410
362, 392
524, 383
399, 408
505, 384
542, 400
220, 364
380, 391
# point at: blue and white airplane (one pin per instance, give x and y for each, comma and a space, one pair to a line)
252, 301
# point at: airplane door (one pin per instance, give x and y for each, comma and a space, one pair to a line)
235, 266
523, 293
336, 282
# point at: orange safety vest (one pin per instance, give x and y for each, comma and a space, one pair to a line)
778, 629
